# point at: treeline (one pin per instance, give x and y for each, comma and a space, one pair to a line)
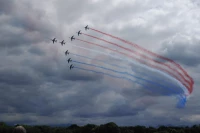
105, 128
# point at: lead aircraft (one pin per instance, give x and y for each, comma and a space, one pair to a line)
86, 27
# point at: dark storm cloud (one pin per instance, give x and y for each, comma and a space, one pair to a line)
21, 100
19, 89
113, 111
33, 100
69, 102
122, 110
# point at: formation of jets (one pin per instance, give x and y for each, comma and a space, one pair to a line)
54, 40
63, 42
69, 60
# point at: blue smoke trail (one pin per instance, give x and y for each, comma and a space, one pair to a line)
182, 101
114, 76
180, 104
99, 61
125, 73
144, 66
142, 73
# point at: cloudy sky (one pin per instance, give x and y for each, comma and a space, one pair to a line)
37, 87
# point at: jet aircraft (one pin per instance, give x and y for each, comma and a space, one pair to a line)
72, 38
66, 53
79, 33
69, 60
71, 66
54, 40
63, 42
86, 27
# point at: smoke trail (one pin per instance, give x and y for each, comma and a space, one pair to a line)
135, 59
151, 53
125, 73
92, 50
142, 73
144, 50
115, 65
116, 57
139, 54
141, 65
113, 76
181, 101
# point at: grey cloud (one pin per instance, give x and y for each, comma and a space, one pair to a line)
24, 28
13, 51
184, 52
15, 77
76, 10
155, 82
37, 51
6, 6
78, 98
196, 2
18, 99
122, 110
70, 6
114, 111
77, 75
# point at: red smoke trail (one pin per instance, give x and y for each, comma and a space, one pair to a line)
144, 56
135, 59
151, 53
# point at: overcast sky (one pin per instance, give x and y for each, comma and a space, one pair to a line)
37, 87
